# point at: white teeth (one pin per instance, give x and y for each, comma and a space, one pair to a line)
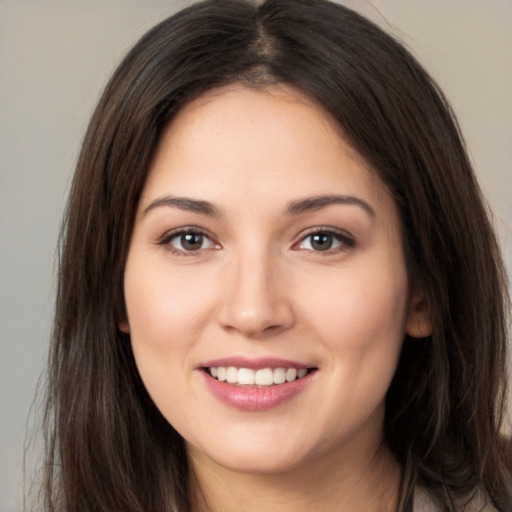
221, 373
262, 377
279, 376
301, 373
232, 375
246, 376
291, 374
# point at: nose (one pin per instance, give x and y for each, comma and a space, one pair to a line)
255, 302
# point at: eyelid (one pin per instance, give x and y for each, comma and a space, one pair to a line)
346, 239
165, 240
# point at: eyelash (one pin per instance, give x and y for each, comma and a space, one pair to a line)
344, 240
167, 239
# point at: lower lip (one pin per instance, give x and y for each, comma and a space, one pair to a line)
255, 398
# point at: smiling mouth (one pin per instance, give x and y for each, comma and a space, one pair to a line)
263, 377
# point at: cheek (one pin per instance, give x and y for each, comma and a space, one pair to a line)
359, 317
166, 305
167, 310
359, 312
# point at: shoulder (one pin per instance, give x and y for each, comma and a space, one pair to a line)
423, 502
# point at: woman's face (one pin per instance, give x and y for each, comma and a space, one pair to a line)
265, 249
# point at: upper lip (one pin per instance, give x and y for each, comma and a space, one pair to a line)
254, 363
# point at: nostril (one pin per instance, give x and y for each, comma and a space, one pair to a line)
256, 318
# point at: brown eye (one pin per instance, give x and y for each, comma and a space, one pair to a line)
191, 241
324, 241
188, 242
321, 242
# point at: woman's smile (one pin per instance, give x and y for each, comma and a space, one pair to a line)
266, 289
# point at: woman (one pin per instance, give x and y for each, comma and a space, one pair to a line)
279, 286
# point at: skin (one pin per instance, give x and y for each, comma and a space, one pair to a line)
257, 287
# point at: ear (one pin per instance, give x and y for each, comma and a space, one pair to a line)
124, 327
419, 320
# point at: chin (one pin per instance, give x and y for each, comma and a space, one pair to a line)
260, 463
252, 457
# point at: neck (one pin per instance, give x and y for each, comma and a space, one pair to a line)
369, 484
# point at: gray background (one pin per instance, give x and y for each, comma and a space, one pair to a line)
55, 57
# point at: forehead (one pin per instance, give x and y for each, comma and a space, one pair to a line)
274, 134
251, 154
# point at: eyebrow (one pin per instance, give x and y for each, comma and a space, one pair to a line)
309, 204
184, 203
296, 207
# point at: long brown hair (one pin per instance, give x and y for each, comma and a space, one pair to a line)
108, 447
